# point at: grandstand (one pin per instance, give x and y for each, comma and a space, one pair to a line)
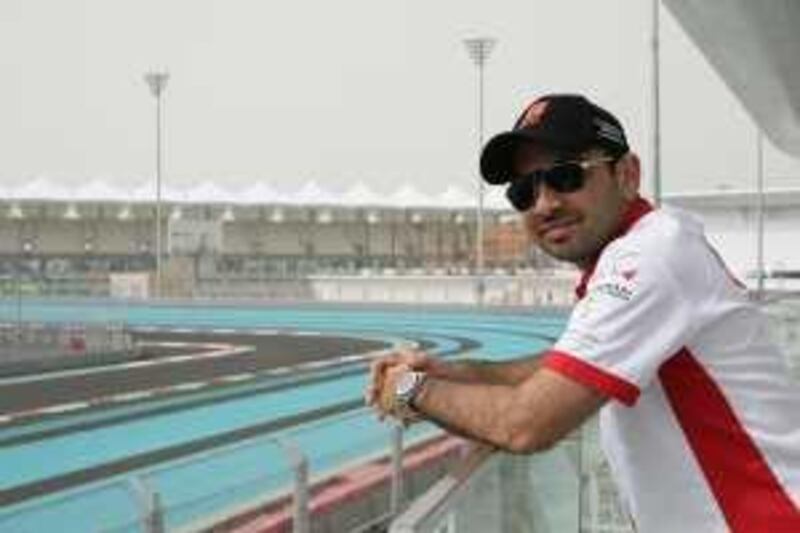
220, 243
100, 241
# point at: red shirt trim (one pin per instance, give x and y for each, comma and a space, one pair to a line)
587, 374
746, 490
638, 208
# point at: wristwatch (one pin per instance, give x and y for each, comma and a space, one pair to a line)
407, 387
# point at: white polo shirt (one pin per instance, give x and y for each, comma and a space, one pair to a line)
705, 433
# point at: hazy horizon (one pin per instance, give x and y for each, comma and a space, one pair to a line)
377, 92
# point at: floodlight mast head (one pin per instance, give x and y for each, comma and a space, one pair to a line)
157, 81
479, 49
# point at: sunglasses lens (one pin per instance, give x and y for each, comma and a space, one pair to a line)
520, 193
564, 178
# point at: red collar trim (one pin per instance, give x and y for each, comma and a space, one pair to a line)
638, 208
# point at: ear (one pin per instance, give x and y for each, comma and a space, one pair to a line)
629, 175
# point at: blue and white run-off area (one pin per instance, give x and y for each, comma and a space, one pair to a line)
203, 422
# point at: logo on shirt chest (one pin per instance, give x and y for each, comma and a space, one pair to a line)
620, 279
621, 291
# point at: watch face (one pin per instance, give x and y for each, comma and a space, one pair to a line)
405, 384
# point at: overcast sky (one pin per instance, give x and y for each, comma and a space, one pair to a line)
338, 92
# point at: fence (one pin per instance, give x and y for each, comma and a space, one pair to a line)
529, 288
30, 345
285, 472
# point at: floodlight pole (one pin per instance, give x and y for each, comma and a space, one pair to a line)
18, 275
157, 81
656, 102
479, 49
760, 215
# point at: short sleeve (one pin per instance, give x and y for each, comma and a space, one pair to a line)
634, 316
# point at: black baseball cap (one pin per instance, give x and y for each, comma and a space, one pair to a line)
564, 123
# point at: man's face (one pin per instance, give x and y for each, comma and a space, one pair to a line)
574, 226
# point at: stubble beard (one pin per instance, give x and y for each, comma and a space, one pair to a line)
576, 253
581, 249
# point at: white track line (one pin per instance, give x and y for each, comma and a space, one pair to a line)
63, 408
214, 350
140, 364
129, 396
221, 350
233, 378
192, 385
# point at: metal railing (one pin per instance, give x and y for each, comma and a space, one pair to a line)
564, 489
432, 286
568, 488
784, 320
282, 470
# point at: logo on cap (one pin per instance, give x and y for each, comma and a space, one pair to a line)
534, 114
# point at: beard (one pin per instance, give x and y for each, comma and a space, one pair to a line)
579, 243
575, 251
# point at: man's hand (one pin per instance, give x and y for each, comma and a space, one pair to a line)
377, 388
387, 405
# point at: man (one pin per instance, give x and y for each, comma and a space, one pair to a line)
699, 418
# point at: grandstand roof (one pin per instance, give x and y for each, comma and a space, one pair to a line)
313, 194
259, 193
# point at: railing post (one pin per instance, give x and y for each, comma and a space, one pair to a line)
397, 495
300, 514
151, 509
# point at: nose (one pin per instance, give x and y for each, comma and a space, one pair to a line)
547, 201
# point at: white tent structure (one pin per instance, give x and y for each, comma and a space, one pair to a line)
97, 190
310, 194
455, 198
40, 189
360, 195
260, 192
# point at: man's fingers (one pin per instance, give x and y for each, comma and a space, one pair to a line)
379, 365
369, 395
375, 394
377, 372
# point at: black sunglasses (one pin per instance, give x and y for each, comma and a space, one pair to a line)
562, 177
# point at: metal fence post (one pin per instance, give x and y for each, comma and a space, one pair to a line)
397, 496
301, 522
151, 509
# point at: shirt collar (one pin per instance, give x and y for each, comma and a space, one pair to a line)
638, 208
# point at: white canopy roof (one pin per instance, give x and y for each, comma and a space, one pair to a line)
99, 191
208, 192
409, 196
40, 188
361, 195
259, 193
456, 198
143, 192
754, 46
312, 194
